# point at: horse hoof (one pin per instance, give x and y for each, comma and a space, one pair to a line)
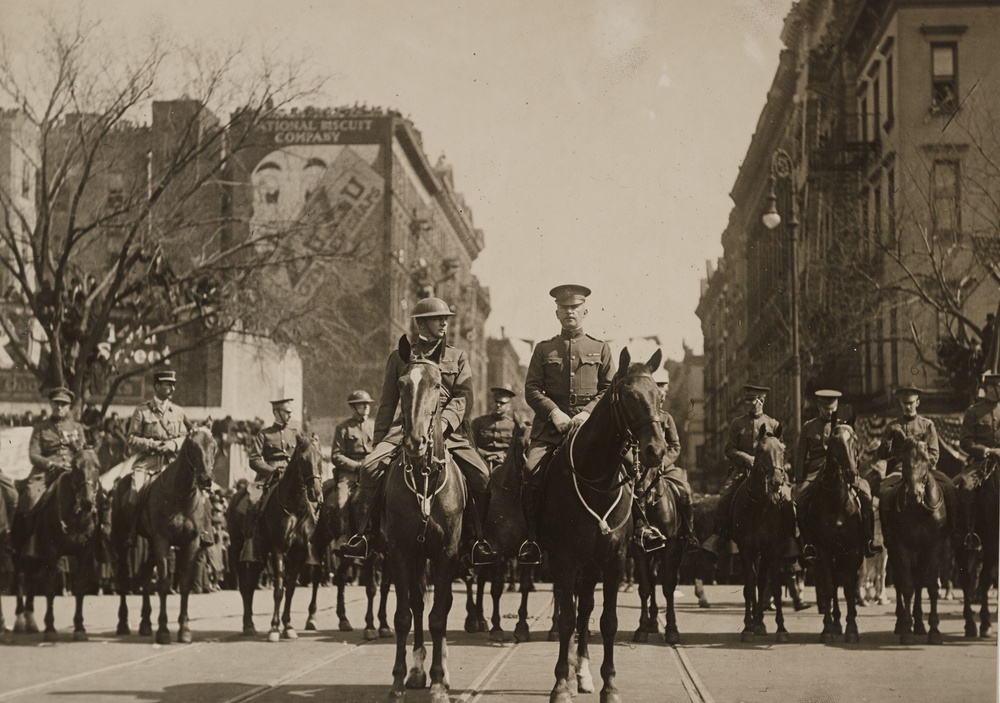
439, 694
397, 696
146, 630
760, 629
970, 631
344, 625
50, 636
498, 636
838, 629
747, 637
310, 626
19, 626
672, 637
852, 638
561, 697
370, 634
123, 629
385, 632
30, 627
80, 636
826, 637
553, 635
249, 631
273, 636
783, 637
522, 633
482, 626
919, 629
934, 637
640, 636
610, 697
162, 637
898, 630
984, 631
704, 604
906, 638
184, 636
289, 633
470, 625
584, 684
416, 679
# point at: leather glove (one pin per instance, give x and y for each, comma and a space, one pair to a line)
561, 420
580, 418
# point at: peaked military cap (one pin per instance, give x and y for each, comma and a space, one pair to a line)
570, 294
907, 390
283, 404
827, 394
61, 395
431, 307
359, 397
754, 391
504, 389
165, 377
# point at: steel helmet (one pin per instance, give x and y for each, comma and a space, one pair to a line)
359, 397
431, 307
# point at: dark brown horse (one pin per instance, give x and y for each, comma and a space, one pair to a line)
913, 517
425, 497
335, 522
66, 522
585, 523
761, 530
661, 567
166, 512
979, 568
286, 526
830, 518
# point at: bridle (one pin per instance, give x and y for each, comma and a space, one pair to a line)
761, 489
840, 476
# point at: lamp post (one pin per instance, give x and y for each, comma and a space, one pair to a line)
783, 168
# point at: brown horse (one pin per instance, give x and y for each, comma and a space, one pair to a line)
286, 525
66, 522
661, 567
585, 525
425, 497
337, 521
830, 518
979, 568
761, 530
914, 517
166, 512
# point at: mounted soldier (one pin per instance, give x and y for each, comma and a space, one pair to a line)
53, 443
980, 439
431, 316
353, 441
914, 425
810, 455
270, 451
155, 434
741, 443
567, 375
493, 432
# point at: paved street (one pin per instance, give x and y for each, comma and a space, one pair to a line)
710, 665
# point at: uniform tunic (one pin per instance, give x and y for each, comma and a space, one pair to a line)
741, 441
271, 449
919, 428
53, 444
810, 455
154, 423
980, 431
353, 440
493, 436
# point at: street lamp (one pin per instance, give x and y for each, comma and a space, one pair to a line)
783, 168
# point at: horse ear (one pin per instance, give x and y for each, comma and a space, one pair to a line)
777, 430
654, 361
404, 349
762, 432
624, 359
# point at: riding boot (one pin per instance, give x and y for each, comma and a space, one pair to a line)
357, 547
481, 553
792, 548
686, 510
530, 554
967, 519
646, 536
206, 536
249, 551
868, 521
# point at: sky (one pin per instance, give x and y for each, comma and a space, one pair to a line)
595, 141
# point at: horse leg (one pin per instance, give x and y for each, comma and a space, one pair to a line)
186, 563
315, 575
985, 577
50, 618
933, 633
776, 588
249, 575
292, 569
918, 610
609, 628
823, 599
641, 571
671, 565
563, 591
496, 592
904, 589
470, 603
763, 594
749, 593
162, 552
417, 677
585, 608
838, 628
384, 631
79, 631
278, 574
437, 623
482, 625
556, 604
521, 631
123, 585
368, 577
850, 582
402, 620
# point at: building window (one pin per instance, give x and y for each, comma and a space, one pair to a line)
877, 210
894, 346
890, 105
876, 108
890, 206
26, 179
944, 77
863, 112
946, 197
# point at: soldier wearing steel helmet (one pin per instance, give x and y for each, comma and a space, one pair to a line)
431, 316
494, 431
353, 441
980, 439
567, 375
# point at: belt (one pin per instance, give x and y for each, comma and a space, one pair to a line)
574, 399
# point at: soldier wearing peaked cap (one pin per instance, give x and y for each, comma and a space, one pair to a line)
494, 431
741, 443
567, 375
270, 451
980, 439
431, 317
810, 455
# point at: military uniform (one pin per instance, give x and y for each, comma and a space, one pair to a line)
493, 436
569, 372
270, 451
676, 477
156, 423
353, 441
980, 433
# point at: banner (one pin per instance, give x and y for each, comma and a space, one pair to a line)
14, 461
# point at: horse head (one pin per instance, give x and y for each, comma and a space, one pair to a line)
916, 466
420, 400
769, 463
198, 452
842, 454
307, 461
85, 475
635, 402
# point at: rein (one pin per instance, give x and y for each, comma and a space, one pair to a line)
435, 461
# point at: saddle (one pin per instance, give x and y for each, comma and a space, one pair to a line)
892, 493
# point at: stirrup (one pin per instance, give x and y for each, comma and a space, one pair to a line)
650, 539
972, 542
691, 543
809, 553
356, 548
529, 553
482, 553
872, 549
